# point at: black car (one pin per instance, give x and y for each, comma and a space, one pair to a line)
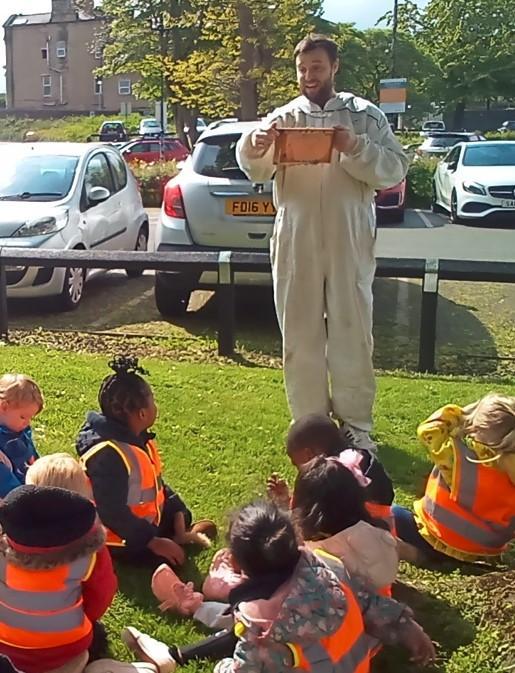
113, 132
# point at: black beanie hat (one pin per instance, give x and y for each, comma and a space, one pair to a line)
6, 666
45, 517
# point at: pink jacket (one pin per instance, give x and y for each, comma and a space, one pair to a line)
367, 552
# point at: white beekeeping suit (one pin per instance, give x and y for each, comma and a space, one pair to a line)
322, 253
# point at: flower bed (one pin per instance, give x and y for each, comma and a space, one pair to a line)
152, 178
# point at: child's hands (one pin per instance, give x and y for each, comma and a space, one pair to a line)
277, 490
418, 643
168, 549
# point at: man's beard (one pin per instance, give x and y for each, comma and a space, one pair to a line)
322, 94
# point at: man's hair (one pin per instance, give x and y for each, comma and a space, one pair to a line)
18, 389
316, 41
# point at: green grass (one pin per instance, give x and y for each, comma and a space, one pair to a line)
221, 429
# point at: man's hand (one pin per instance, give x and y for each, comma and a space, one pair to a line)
345, 140
168, 549
278, 491
263, 138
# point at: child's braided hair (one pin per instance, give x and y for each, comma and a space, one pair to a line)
125, 391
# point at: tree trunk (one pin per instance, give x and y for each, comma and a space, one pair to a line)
248, 54
459, 115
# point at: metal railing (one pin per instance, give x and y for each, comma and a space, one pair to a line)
227, 263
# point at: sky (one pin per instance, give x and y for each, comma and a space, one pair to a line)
363, 13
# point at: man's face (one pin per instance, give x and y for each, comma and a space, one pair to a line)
315, 75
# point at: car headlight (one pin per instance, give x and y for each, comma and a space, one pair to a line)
43, 225
474, 188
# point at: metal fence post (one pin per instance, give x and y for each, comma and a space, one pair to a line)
4, 317
225, 299
427, 339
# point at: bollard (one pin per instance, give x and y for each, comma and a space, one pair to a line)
225, 299
4, 316
428, 310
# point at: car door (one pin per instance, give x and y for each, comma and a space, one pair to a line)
129, 205
101, 223
447, 175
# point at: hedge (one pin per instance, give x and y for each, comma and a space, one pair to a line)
152, 178
420, 182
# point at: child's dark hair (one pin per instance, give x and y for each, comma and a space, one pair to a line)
316, 432
262, 539
328, 499
125, 391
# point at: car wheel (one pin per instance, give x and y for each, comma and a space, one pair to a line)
172, 296
73, 289
435, 207
141, 246
454, 209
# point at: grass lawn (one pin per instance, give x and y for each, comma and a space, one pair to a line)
221, 430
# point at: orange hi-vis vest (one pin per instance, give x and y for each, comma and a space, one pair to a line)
383, 512
41, 608
476, 515
146, 493
348, 649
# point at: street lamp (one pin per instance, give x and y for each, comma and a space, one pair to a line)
395, 21
157, 24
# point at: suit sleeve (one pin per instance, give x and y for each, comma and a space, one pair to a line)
378, 160
99, 589
257, 167
110, 483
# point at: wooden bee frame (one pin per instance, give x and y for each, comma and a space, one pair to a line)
303, 146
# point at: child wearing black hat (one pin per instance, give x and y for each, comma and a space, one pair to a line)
54, 583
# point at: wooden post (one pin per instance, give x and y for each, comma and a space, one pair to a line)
428, 314
4, 316
225, 299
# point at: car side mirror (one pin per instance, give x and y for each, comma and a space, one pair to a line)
452, 165
97, 195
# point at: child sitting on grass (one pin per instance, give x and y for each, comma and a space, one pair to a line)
317, 435
20, 401
468, 510
145, 520
296, 608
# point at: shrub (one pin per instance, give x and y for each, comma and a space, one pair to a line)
151, 178
420, 181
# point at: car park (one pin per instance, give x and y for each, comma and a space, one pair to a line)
154, 149
437, 144
476, 181
66, 196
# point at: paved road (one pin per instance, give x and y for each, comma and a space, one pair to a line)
424, 234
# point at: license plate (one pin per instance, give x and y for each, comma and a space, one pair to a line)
508, 203
249, 208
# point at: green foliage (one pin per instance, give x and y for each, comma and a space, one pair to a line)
420, 182
74, 129
221, 432
151, 178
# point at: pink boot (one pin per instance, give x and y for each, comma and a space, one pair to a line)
173, 593
221, 578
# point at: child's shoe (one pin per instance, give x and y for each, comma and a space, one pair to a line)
173, 593
149, 649
221, 577
113, 666
202, 532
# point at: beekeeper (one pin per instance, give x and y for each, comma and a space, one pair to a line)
322, 247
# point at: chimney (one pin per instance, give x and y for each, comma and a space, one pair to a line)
63, 10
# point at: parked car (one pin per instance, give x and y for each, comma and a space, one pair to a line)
211, 205
150, 127
391, 203
154, 150
432, 125
66, 196
476, 181
113, 132
225, 120
438, 144
506, 126
201, 126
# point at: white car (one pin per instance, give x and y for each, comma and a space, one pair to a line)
66, 196
477, 181
150, 127
432, 125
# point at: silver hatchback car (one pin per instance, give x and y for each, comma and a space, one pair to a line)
211, 205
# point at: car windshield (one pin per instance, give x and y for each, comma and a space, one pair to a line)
215, 157
36, 177
490, 155
111, 127
150, 122
433, 125
444, 141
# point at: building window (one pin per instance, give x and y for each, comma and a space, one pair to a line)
46, 82
98, 86
124, 87
60, 49
44, 54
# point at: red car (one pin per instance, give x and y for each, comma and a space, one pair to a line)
390, 203
155, 150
